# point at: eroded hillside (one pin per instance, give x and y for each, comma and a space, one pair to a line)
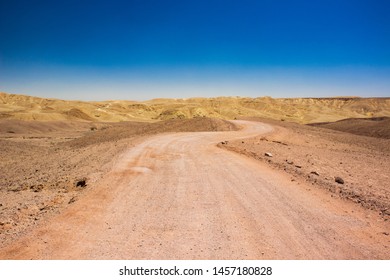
301, 110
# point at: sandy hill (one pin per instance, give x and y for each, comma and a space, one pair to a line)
301, 110
373, 127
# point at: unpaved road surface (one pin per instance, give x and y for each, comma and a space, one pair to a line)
178, 196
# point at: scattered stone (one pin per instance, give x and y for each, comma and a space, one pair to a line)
385, 211
298, 166
268, 155
289, 161
385, 233
73, 199
315, 173
15, 188
224, 142
339, 180
242, 142
36, 188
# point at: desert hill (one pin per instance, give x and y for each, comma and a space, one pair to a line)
373, 127
301, 110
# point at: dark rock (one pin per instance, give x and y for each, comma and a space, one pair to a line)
81, 182
36, 188
339, 180
268, 155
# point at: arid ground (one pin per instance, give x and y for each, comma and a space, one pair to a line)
222, 178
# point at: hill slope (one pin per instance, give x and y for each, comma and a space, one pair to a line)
374, 127
301, 110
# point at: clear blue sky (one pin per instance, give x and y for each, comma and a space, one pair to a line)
99, 50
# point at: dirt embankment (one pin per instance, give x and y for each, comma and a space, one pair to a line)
321, 155
45, 166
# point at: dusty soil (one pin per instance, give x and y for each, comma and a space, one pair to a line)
318, 156
46, 166
179, 196
373, 127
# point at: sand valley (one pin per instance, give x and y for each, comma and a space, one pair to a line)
199, 178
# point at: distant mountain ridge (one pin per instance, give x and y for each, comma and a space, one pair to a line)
301, 110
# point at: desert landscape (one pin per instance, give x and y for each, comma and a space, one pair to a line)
196, 178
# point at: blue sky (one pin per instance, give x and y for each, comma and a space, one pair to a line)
99, 50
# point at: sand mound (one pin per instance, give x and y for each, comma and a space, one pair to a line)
78, 114
374, 127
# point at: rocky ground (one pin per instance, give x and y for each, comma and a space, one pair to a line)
46, 166
351, 167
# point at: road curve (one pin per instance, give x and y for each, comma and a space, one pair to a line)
178, 196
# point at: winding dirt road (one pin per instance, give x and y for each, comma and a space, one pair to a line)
178, 196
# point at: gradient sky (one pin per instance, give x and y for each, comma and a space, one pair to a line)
138, 50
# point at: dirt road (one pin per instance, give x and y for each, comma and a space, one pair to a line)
178, 196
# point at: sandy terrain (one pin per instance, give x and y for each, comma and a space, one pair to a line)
301, 110
159, 179
44, 163
318, 156
179, 196
374, 127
